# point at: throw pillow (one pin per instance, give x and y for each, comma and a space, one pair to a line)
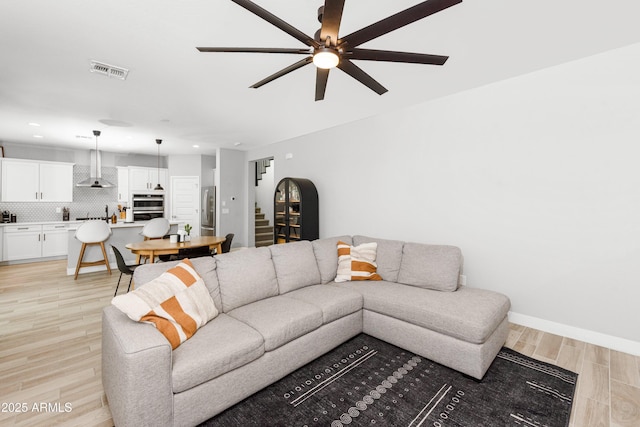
357, 262
177, 303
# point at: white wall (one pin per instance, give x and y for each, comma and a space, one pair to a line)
535, 178
184, 165
79, 157
232, 203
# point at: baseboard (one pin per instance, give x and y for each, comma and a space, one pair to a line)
592, 337
31, 260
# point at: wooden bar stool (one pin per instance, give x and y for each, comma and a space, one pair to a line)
94, 232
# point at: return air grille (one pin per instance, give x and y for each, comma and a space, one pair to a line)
108, 70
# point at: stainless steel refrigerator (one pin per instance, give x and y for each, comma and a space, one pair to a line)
208, 220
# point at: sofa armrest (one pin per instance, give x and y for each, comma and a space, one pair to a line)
136, 371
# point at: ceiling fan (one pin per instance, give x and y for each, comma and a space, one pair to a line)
326, 50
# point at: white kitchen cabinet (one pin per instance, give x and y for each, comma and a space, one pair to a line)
146, 179
56, 182
20, 180
55, 239
33, 181
30, 241
123, 184
22, 242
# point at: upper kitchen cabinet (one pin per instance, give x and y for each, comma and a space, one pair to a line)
146, 179
36, 181
123, 184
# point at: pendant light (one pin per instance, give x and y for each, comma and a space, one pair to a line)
158, 187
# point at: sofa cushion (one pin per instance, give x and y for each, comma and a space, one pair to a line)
327, 256
205, 267
222, 345
279, 319
430, 266
295, 265
468, 314
357, 262
245, 276
388, 258
333, 301
177, 303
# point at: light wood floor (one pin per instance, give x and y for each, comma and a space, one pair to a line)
50, 349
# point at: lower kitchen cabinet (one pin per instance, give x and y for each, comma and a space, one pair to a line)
22, 242
34, 241
54, 240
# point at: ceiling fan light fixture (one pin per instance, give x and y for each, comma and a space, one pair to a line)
326, 58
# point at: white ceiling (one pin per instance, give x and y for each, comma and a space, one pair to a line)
188, 98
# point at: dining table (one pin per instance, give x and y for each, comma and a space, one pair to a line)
155, 247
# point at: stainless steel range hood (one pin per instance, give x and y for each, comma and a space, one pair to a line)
95, 179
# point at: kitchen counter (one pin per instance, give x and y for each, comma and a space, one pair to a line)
121, 234
73, 225
121, 224
2, 224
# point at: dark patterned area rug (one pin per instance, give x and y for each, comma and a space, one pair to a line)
368, 382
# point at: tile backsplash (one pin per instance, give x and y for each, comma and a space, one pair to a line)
86, 201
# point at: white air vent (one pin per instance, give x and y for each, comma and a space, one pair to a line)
108, 70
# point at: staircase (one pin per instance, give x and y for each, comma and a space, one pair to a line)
264, 232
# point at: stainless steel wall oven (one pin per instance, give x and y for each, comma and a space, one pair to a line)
148, 206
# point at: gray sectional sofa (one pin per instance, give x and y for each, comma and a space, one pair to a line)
280, 309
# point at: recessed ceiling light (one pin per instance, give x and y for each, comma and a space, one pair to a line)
237, 143
117, 123
38, 136
196, 146
34, 124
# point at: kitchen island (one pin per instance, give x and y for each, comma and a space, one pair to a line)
121, 234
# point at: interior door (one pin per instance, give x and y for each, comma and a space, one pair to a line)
185, 202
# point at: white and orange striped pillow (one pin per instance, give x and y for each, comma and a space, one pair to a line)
177, 303
357, 262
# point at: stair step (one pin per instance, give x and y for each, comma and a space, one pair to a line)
264, 232
258, 210
260, 216
262, 222
264, 243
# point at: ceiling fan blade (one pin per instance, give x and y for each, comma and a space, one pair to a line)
282, 72
274, 20
393, 56
322, 75
331, 20
356, 72
254, 50
396, 21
